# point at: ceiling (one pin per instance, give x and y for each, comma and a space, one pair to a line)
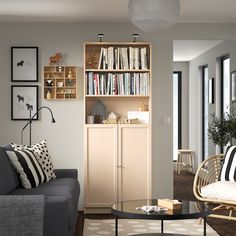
186, 50
198, 11
192, 11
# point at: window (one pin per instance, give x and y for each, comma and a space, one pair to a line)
225, 84
177, 127
205, 95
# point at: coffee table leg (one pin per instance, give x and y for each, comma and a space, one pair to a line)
162, 226
116, 231
204, 225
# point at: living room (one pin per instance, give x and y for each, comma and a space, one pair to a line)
52, 34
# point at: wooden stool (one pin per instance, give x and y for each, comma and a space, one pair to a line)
184, 164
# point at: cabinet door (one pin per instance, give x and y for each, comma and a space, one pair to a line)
134, 162
100, 165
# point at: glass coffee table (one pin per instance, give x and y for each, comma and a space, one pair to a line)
189, 210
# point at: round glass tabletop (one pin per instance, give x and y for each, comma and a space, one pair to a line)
188, 210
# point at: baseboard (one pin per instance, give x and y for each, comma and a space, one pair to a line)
98, 210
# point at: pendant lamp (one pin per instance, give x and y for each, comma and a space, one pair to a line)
153, 15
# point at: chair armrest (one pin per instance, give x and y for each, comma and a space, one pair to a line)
66, 173
208, 172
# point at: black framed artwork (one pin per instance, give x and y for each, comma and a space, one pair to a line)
24, 99
24, 64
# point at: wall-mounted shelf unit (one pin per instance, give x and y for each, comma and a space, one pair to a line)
60, 82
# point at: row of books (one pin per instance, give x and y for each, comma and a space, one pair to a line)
126, 58
117, 84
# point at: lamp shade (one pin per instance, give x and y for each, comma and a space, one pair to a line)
153, 15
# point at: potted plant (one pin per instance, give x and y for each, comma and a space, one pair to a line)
219, 130
222, 130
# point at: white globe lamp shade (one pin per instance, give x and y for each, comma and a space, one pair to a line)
154, 15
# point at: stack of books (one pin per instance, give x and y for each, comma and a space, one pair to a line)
117, 83
124, 58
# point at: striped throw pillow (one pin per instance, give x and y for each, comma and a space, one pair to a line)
42, 154
228, 170
26, 165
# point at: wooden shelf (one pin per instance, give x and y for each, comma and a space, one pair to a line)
117, 70
130, 81
63, 80
117, 96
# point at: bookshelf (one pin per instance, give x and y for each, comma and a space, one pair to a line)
117, 77
60, 82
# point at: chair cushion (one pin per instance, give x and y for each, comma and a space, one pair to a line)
224, 190
9, 180
228, 169
26, 164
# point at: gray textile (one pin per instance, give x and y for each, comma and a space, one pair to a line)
8, 176
61, 198
21, 215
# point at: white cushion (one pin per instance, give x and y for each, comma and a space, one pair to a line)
224, 190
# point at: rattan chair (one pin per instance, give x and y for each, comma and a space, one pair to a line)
207, 173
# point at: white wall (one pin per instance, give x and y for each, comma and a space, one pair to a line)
209, 58
65, 138
184, 68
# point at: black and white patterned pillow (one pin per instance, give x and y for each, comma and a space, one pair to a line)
26, 165
41, 152
228, 169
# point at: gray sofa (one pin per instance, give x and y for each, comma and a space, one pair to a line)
61, 197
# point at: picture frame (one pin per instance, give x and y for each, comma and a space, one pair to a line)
24, 64
23, 99
211, 91
233, 86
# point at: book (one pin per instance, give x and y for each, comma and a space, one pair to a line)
100, 58
143, 53
169, 203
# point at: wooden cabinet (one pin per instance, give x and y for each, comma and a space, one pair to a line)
117, 76
134, 163
60, 82
117, 165
100, 165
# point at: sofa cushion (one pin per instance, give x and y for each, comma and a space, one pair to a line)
26, 164
228, 169
224, 190
42, 154
9, 180
66, 187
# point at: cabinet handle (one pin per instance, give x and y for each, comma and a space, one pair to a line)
119, 166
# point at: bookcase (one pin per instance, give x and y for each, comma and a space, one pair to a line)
117, 81
60, 82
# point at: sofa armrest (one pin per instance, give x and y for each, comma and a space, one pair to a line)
56, 219
66, 173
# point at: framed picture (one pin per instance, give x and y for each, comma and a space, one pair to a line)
24, 64
233, 86
23, 100
211, 91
